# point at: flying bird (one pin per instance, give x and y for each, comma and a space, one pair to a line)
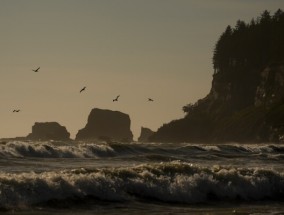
36, 70
116, 99
150, 100
84, 88
16, 111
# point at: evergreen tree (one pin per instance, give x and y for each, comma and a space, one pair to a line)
251, 45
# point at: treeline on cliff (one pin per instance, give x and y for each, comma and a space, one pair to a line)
246, 100
251, 44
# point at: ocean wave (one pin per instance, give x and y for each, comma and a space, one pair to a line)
55, 150
177, 182
100, 150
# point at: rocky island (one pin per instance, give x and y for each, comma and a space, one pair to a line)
48, 131
106, 125
145, 134
246, 101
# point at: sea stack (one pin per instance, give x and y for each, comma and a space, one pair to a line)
106, 125
48, 131
145, 134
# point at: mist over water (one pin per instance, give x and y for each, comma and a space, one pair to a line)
96, 176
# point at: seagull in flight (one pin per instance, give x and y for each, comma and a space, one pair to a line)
16, 111
116, 99
150, 100
84, 88
36, 70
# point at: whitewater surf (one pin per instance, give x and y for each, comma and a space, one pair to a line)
89, 177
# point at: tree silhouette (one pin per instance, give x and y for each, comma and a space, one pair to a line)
253, 44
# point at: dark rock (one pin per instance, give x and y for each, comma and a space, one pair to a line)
48, 131
145, 134
226, 116
246, 100
106, 125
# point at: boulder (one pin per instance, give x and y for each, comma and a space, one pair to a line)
48, 131
106, 125
145, 134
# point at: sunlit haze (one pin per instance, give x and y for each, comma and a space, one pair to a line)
138, 49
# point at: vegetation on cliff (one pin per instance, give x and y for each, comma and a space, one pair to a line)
246, 101
251, 45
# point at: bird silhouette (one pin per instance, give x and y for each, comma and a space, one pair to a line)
150, 100
36, 70
84, 88
16, 111
116, 99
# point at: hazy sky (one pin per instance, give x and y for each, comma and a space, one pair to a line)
134, 48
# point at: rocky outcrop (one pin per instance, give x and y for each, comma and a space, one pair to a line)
233, 112
145, 134
271, 87
106, 125
246, 100
255, 111
48, 131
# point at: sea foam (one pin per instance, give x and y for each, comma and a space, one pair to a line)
177, 182
98, 150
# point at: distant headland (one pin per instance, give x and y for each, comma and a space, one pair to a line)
246, 101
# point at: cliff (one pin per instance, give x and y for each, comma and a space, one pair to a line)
48, 131
106, 125
145, 134
246, 100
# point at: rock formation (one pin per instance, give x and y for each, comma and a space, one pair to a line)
106, 125
226, 116
48, 131
246, 100
145, 134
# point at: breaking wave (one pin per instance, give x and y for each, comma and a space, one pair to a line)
100, 150
176, 182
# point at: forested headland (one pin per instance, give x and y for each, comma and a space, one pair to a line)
246, 100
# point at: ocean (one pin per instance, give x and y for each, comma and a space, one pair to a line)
86, 178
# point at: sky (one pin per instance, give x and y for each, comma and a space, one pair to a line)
138, 49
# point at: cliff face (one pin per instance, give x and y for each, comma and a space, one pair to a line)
234, 111
48, 131
145, 134
270, 89
106, 125
255, 112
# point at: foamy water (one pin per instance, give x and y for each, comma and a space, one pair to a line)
36, 177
